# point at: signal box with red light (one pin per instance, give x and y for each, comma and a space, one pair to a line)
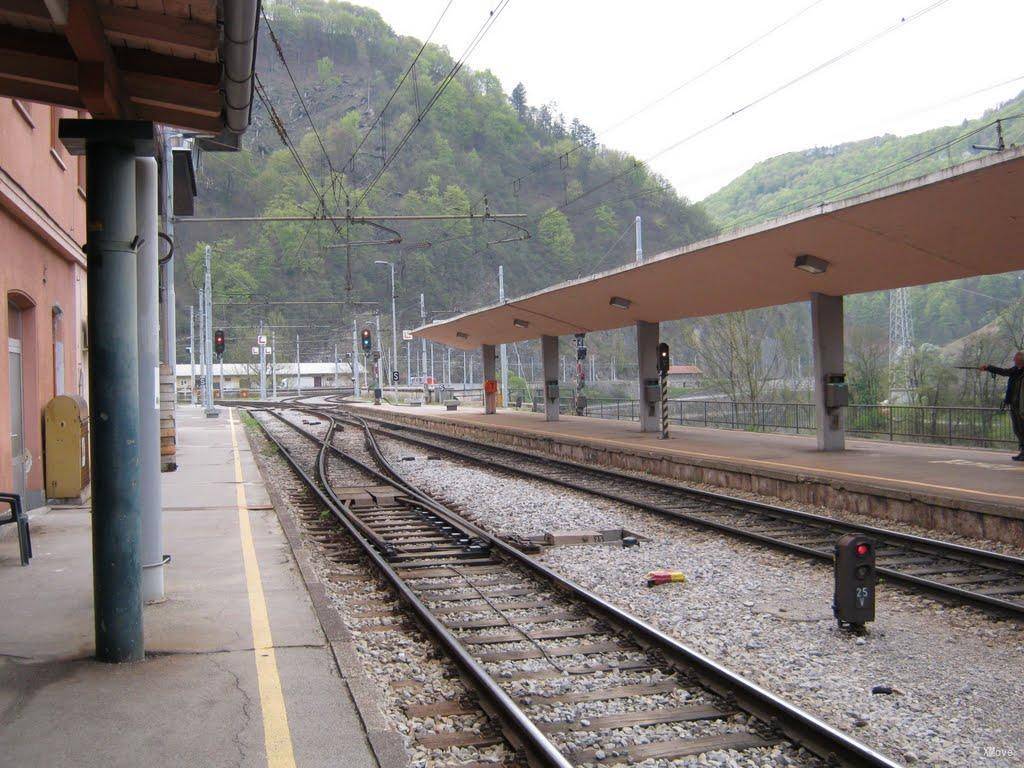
853, 603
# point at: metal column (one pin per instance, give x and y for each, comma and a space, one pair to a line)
549, 356
490, 398
110, 147
192, 352
356, 389
211, 412
146, 177
647, 366
423, 342
170, 319
504, 353
827, 333
263, 362
273, 364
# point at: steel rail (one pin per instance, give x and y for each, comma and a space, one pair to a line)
1013, 566
516, 726
798, 726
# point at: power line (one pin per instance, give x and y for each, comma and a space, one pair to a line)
829, 194
676, 89
282, 133
394, 93
442, 86
302, 100
765, 96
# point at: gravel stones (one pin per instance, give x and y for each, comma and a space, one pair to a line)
958, 698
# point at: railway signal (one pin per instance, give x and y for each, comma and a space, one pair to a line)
218, 342
366, 340
854, 601
664, 363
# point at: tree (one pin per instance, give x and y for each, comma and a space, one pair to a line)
867, 362
732, 351
519, 101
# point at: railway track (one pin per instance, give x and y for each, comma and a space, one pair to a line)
976, 576
569, 678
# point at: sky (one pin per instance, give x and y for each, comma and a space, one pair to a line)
602, 61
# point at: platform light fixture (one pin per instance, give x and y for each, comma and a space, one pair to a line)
520, 323
619, 302
811, 264
461, 335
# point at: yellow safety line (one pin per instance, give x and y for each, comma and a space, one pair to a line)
275, 719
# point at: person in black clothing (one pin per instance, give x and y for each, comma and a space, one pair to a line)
1014, 397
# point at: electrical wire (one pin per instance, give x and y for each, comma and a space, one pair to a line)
765, 96
402, 80
302, 100
438, 92
676, 89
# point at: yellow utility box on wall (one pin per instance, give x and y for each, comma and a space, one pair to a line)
66, 448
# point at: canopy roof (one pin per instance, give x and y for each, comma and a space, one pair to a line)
187, 63
961, 222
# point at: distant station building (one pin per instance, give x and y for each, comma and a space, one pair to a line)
244, 378
685, 376
42, 276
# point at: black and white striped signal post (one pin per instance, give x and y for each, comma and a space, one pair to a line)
663, 366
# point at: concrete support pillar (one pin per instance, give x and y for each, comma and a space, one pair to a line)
490, 381
647, 337
146, 178
549, 357
827, 331
110, 147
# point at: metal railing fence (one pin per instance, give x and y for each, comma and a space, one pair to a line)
948, 425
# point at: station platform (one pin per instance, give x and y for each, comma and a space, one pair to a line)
239, 670
974, 492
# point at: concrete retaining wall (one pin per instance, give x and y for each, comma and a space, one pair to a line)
978, 519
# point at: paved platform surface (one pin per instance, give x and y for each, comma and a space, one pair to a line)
204, 696
984, 478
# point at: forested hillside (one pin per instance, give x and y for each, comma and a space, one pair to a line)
796, 180
479, 141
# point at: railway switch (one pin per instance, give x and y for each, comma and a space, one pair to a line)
853, 603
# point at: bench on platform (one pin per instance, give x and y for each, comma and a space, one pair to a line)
451, 405
19, 518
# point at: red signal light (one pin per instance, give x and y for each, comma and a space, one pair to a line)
862, 549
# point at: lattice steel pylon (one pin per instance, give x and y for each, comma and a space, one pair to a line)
901, 347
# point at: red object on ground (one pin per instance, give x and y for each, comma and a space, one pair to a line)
664, 577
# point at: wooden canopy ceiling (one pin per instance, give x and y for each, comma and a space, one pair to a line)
156, 60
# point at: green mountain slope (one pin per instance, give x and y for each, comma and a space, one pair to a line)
789, 182
475, 143
800, 179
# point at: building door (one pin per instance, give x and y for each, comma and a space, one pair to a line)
16, 391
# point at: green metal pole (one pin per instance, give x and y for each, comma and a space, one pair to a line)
114, 399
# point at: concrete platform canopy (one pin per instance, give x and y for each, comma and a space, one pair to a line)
961, 222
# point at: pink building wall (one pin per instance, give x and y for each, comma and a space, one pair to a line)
42, 272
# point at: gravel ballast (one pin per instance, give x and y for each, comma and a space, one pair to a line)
957, 694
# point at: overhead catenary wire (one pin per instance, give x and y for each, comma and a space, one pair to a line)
298, 92
438, 92
536, 167
401, 81
846, 53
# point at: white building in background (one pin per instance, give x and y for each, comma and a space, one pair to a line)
245, 377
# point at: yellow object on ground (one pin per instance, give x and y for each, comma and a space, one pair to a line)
664, 577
